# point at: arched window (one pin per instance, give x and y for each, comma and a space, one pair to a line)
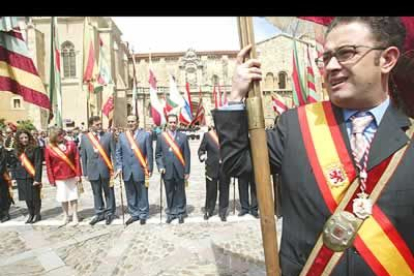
215, 80
69, 60
129, 109
282, 80
269, 81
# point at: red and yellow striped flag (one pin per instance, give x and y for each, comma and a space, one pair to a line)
90, 68
18, 75
312, 96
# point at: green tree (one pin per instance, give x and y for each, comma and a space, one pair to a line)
26, 124
2, 123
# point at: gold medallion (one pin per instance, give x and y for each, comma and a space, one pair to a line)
339, 231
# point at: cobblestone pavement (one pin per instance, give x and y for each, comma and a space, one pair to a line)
197, 247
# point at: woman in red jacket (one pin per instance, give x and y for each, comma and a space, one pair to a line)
64, 171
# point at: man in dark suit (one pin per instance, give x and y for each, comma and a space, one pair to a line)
172, 155
134, 158
317, 151
214, 175
98, 156
246, 182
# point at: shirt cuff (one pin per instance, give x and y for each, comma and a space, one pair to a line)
232, 107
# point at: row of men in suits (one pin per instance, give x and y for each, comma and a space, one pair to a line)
132, 155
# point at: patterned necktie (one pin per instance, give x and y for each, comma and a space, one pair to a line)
359, 142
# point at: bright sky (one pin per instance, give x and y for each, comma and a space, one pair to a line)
177, 34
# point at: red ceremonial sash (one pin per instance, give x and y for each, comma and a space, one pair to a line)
27, 164
137, 152
215, 137
101, 151
377, 241
60, 154
170, 141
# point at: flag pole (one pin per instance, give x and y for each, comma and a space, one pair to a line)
260, 157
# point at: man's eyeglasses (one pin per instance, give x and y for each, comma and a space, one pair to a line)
172, 122
343, 54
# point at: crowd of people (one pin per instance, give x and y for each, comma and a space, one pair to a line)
99, 156
345, 165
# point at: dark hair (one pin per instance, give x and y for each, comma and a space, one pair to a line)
387, 30
93, 119
172, 115
32, 143
390, 31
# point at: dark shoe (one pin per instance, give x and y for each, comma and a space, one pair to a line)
131, 220
255, 214
5, 218
181, 220
223, 218
169, 219
36, 218
242, 213
95, 220
30, 219
206, 216
142, 221
109, 220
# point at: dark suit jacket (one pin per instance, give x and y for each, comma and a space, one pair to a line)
19, 172
213, 155
304, 209
93, 164
167, 160
126, 159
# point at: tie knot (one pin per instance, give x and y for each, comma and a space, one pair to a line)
361, 121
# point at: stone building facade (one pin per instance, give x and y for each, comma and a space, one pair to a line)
201, 69
205, 69
36, 31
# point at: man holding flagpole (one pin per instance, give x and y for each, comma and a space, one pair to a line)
134, 159
98, 155
345, 164
172, 155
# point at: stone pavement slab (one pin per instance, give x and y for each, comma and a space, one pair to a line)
197, 247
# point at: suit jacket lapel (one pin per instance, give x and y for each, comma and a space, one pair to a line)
390, 136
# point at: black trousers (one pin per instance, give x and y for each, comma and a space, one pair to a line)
244, 184
223, 183
99, 205
30, 194
5, 200
34, 204
175, 193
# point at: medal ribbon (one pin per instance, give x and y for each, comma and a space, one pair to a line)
378, 242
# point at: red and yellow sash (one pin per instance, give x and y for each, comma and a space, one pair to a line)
215, 137
27, 164
170, 141
63, 157
377, 241
8, 179
137, 152
101, 151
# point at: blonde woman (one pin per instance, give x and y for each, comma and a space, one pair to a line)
64, 172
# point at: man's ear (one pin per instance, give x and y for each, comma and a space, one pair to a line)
389, 58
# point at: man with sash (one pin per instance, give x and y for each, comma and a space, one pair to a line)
214, 175
134, 158
172, 155
346, 165
98, 155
